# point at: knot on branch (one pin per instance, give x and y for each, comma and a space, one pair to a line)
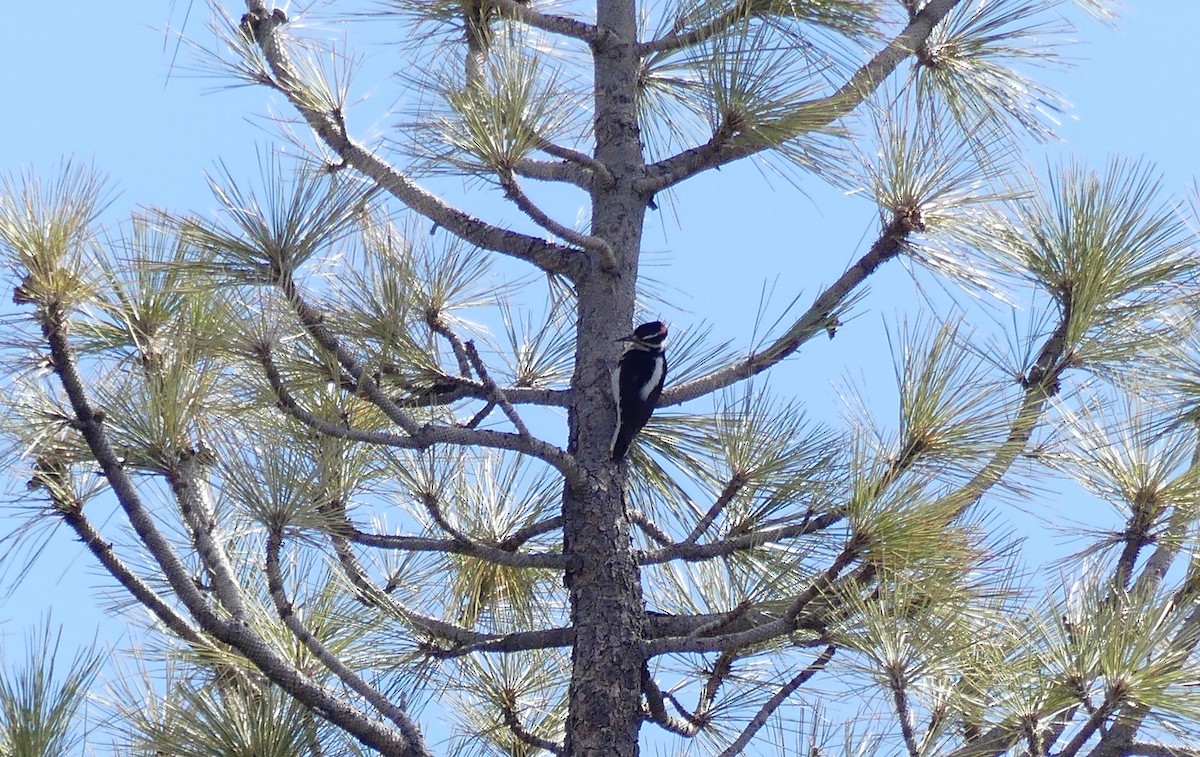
259, 23
937, 56
907, 218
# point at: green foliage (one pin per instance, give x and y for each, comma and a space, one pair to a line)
339, 450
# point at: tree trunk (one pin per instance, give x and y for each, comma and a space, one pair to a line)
606, 597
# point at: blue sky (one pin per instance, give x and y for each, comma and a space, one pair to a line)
90, 81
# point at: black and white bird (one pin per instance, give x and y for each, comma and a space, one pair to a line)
637, 382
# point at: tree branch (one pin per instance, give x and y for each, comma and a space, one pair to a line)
286, 613
596, 172
418, 436
765, 631
465, 640
138, 589
808, 116
547, 560
679, 38
900, 702
513, 191
656, 708
559, 171
778, 698
518, 729
370, 731
184, 480
649, 527
547, 22
815, 320
330, 128
723, 548
533, 530
1170, 542
732, 487
440, 327
1149, 749
496, 394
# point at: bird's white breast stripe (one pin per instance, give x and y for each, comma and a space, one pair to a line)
655, 377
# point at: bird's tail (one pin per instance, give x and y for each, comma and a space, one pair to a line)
622, 441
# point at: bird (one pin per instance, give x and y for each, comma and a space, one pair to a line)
637, 382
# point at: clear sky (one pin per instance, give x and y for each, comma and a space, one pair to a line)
93, 81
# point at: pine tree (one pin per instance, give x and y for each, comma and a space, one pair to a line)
353, 435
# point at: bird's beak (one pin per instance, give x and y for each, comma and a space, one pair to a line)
627, 338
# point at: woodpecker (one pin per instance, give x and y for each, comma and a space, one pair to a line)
637, 382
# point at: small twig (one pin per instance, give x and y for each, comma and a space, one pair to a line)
443, 329
768, 630
649, 527
480, 416
496, 393
736, 482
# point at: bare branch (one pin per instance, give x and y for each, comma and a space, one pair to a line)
657, 709
735, 484
1148, 749
900, 702
725, 547
550, 561
597, 172
443, 329
757, 634
419, 436
561, 171
649, 527
465, 640
102, 549
533, 530
679, 38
